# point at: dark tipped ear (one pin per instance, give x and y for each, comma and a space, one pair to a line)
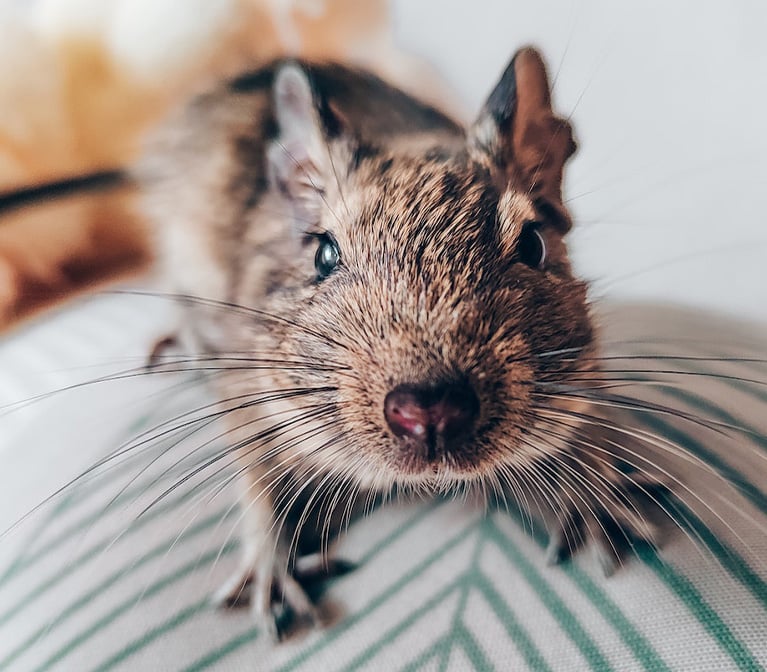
298, 158
518, 132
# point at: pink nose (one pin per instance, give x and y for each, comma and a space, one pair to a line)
431, 415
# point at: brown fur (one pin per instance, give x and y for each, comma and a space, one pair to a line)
427, 217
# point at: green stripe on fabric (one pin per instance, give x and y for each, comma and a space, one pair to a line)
751, 389
558, 609
690, 597
424, 510
234, 644
714, 412
637, 643
633, 639
390, 635
406, 579
728, 557
474, 651
683, 440
84, 599
425, 658
468, 580
514, 629
212, 657
458, 634
463, 599
25, 562
738, 568
154, 589
92, 552
705, 615
155, 633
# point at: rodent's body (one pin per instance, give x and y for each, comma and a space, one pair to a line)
401, 306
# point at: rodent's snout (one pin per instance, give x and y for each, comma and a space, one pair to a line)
431, 419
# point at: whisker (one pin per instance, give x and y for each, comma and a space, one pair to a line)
144, 371
231, 307
207, 463
261, 435
280, 470
606, 373
627, 403
590, 489
575, 439
650, 438
665, 446
210, 418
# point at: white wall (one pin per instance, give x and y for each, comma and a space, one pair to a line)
669, 102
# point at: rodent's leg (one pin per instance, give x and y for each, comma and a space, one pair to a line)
264, 579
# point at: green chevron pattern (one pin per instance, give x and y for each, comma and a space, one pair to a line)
105, 585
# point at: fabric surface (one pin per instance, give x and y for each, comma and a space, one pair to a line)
116, 571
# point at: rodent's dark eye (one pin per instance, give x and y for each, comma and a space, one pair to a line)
531, 247
328, 256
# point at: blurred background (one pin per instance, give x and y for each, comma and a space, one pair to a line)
668, 103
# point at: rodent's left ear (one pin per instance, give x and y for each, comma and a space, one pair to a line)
518, 132
298, 158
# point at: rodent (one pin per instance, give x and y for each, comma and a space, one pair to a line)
393, 292
412, 276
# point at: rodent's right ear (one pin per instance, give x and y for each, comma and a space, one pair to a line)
298, 158
518, 133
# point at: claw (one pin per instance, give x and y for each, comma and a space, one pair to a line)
607, 560
235, 593
557, 551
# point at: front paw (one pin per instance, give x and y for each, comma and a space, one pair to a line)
615, 520
276, 599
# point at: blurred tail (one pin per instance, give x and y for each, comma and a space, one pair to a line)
49, 191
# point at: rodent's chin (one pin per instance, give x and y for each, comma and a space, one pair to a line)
447, 469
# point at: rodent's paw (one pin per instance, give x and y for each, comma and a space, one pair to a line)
277, 601
616, 526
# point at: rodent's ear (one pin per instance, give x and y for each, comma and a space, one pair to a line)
298, 158
518, 132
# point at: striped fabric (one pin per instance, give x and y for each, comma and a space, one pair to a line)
115, 573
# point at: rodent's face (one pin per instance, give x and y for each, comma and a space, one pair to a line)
433, 286
439, 320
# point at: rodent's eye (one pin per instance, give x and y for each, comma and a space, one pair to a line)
531, 247
328, 256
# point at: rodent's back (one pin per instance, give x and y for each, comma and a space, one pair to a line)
374, 110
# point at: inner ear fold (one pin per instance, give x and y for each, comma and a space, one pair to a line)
298, 158
518, 132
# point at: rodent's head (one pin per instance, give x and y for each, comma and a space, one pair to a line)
429, 275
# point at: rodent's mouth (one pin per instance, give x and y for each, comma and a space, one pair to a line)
465, 462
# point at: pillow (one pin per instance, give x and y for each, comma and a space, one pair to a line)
116, 570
